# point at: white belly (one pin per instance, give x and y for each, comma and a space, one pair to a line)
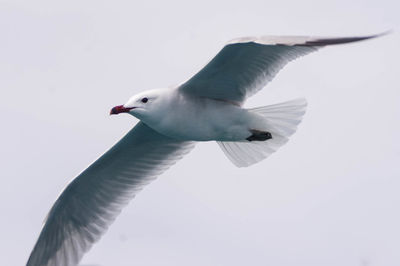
202, 119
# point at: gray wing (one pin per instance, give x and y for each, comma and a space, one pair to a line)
91, 202
246, 65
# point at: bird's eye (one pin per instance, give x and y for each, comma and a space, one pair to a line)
145, 100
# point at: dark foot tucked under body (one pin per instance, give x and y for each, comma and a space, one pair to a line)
259, 135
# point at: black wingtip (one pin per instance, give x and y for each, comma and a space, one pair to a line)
343, 40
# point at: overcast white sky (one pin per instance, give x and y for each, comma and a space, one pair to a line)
329, 197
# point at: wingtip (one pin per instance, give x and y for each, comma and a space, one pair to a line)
377, 35
343, 40
386, 32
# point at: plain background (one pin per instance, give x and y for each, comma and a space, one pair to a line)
329, 197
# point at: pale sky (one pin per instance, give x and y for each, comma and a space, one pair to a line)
329, 197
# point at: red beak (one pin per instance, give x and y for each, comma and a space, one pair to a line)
120, 109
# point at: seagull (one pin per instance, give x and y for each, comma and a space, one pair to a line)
207, 107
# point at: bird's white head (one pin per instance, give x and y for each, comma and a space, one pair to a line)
144, 105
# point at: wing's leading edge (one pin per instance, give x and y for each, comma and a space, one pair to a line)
246, 65
91, 202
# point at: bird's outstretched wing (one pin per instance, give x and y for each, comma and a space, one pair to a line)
246, 65
91, 202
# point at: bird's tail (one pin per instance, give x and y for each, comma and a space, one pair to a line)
281, 120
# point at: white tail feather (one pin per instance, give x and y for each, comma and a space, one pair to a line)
281, 119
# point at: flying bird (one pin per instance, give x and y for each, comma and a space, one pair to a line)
207, 107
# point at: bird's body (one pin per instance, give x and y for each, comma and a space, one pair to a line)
207, 107
185, 117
